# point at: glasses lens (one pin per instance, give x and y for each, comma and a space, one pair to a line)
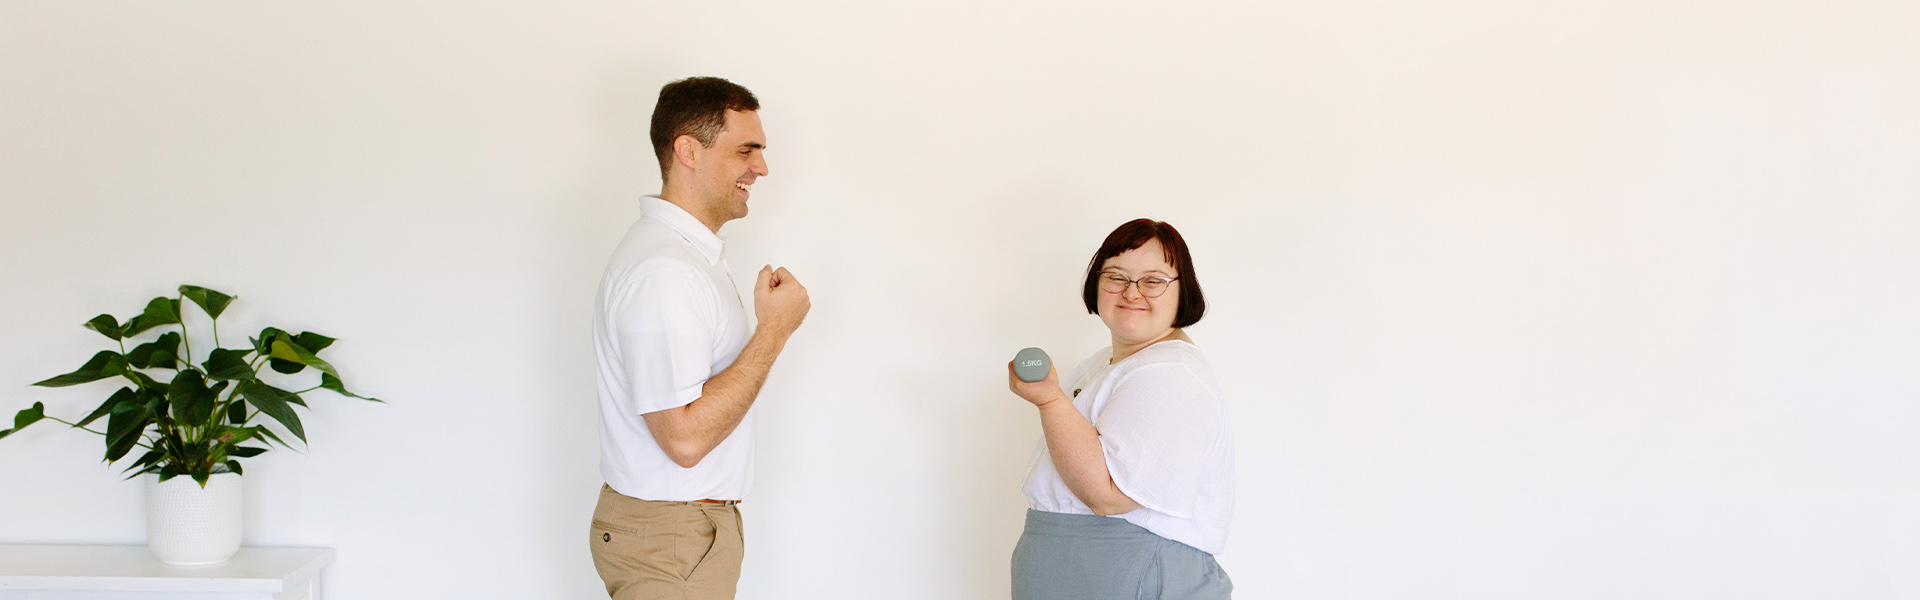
1152, 287
1113, 283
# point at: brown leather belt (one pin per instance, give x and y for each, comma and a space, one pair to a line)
727, 502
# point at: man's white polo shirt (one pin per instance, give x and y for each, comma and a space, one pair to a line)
668, 318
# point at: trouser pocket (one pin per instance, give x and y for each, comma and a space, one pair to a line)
721, 549
694, 544
621, 558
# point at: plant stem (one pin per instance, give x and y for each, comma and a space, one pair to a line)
75, 426
179, 301
142, 443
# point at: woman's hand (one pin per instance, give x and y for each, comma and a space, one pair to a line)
1040, 393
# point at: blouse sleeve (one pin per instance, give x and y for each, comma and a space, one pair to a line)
665, 333
1156, 429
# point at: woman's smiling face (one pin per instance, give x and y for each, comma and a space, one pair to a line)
1131, 315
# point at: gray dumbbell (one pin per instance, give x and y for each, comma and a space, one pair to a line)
1032, 365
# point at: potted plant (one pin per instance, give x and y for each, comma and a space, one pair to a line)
195, 419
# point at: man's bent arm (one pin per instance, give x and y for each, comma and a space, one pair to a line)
688, 432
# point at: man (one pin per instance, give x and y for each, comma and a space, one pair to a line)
678, 365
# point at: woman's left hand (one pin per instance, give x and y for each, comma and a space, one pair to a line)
1040, 393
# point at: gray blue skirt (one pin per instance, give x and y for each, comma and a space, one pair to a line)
1089, 557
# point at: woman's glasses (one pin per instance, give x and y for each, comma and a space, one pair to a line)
1151, 287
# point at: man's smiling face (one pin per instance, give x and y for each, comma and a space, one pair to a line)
727, 170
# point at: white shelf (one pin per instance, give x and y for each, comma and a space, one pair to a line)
131, 572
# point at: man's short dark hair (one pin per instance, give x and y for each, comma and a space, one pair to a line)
695, 106
1134, 234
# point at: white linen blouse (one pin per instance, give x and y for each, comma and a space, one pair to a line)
1163, 428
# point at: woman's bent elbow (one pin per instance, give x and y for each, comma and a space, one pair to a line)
1116, 503
1107, 509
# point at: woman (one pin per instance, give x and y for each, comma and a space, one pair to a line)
1131, 489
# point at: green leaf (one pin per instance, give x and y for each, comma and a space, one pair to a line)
313, 342
103, 365
263, 345
191, 400
169, 440
25, 417
237, 413
146, 383
234, 466
229, 436
124, 395
228, 364
160, 311
246, 451
28, 416
211, 301
161, 353
268, 433
207, 417
154, 398
286, 351
124, 428
106, 325
333, 383
146, 460
273, 401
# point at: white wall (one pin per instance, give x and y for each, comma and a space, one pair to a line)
1512, 299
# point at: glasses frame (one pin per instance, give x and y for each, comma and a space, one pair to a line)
1135, 284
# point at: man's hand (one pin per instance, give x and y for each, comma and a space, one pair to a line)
779, 301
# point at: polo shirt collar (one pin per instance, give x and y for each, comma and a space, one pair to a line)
709, 244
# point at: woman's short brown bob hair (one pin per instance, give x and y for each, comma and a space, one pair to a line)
1134, 234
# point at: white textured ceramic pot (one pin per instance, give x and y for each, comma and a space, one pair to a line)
188, 525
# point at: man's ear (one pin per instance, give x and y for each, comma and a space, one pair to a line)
685, 151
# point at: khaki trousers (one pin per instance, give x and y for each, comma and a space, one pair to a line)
649, 550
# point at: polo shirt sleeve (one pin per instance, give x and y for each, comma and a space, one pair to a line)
664, 327
1156, 430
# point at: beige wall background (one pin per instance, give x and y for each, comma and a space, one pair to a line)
1511, 299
